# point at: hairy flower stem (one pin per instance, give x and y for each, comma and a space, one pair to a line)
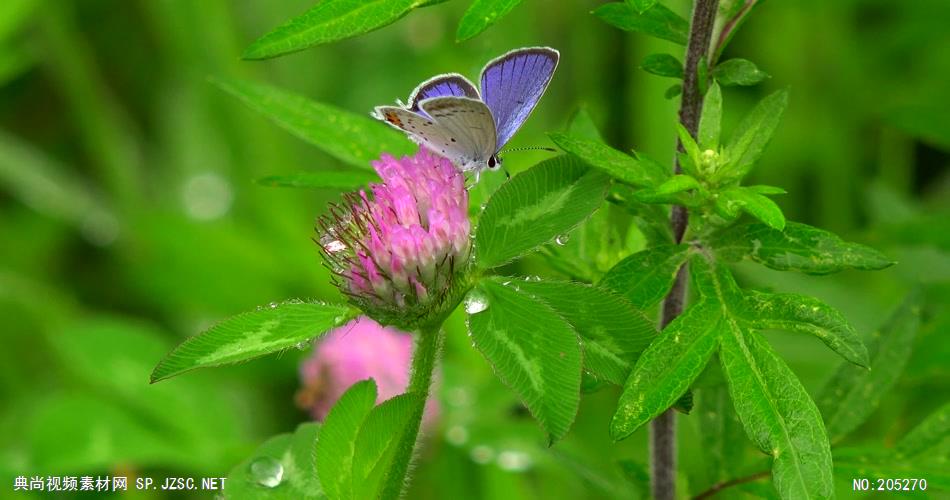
420, 378
663, 428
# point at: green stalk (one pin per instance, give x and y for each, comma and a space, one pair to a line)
420, 378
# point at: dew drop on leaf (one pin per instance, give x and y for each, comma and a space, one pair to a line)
475, 302
266, 471
562, 239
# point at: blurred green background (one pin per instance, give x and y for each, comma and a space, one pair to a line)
130, 220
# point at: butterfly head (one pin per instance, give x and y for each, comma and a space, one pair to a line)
494, 162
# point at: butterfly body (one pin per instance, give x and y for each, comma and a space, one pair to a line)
448, 115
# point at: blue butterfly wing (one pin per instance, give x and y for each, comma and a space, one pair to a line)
447, 85
513, 84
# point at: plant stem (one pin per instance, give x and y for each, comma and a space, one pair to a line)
716, 488
423, 363
663, 428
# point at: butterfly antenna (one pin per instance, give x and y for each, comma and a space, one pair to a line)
529, 148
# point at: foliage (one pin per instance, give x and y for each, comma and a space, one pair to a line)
554, 350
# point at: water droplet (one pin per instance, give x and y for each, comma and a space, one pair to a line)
475, 302
457, 435
302, 345
266, 471
482, 454
335, 246
272, 305
507, 283
513, 460
562, 239
532, 278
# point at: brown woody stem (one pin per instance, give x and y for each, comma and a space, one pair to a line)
663, 428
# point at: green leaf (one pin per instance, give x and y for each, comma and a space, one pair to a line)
799, 247
359, 440
873, 463
111, 354
733, 199
532, 349
754, 132
684, 404
615, 163
378, 441
329, 21
663, 65
636, 474
338, 179
928, 434
77, 431
481, 14
720, 432
51, 188
778, 415
613, 332
673, 91
652, 220
597, 245
355, 139
658, 21
674, 190
336, 449
702, 75
292, 455
711, 118
642, 5
738, 72
14, 15
800, 313
15, 60
764, 189
645, 277
925, 121
666, 369
253, 334
853, 393
536, 206
692, 150
581, 126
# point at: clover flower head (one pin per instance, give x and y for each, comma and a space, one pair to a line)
398, 249
359, 350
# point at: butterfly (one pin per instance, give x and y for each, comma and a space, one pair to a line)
448, 115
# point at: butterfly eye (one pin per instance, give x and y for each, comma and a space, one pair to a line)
494, 162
